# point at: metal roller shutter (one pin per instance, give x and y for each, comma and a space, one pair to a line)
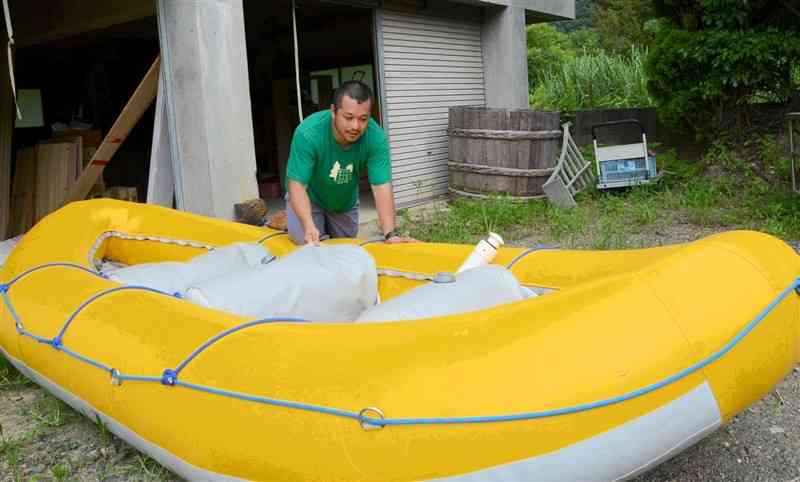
428, 63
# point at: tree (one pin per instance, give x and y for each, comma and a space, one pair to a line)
712, 58
549, 48
623, 24
584, 9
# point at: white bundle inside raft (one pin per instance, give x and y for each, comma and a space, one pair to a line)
325, 283
472, 290
176, 277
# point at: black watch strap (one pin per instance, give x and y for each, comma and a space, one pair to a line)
389, 235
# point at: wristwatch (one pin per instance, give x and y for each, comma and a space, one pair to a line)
389, 235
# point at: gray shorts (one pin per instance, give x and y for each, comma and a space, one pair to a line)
330, 225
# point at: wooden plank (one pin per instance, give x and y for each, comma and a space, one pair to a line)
137, 105
55, 174
76, 159
23, 202
505, 135
91, 137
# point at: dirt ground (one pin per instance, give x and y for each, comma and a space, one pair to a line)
42, 439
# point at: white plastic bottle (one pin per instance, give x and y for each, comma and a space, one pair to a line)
484, 252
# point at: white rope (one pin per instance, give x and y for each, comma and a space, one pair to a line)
159, 239
395, 273
296, 62
10, 61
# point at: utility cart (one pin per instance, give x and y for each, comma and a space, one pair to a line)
625, 164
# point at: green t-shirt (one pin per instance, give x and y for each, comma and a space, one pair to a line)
331, 173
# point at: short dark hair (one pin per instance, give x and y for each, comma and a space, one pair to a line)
355, 89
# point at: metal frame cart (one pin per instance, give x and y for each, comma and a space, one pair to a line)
626, 164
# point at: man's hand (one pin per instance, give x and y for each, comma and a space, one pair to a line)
301, 205
312, 235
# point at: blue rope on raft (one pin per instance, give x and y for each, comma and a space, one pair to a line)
170, 376
538, 247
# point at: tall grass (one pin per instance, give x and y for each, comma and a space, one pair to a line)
595, 80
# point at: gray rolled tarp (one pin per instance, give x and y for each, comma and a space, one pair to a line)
176, 277
472, 290
314, 283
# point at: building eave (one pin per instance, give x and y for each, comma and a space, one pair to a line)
535, 10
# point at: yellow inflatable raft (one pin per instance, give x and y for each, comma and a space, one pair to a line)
634, 356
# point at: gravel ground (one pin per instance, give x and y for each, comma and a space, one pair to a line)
760, 444
42, 439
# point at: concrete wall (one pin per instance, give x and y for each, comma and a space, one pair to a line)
204, 62
536, 10
505, 58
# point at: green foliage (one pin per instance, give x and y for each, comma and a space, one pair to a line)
546, 47
710, 57
623, 24
695, 15
584, 10
594, 81
549, 48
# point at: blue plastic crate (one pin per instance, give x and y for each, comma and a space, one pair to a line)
633, 170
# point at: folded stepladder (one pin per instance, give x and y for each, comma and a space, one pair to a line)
571, 175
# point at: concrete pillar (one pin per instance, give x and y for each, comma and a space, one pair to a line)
505, 61
210, 125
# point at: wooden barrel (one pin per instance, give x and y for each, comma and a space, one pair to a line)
502, 151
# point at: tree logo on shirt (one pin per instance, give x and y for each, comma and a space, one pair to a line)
341, 176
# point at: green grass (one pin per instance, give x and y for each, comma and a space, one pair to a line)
726, 197
61, 472
10, 378
467, 220
147, 469
49, 412
102, 431
11, 453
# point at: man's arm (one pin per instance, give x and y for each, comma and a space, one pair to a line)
384, 203
379, 172
299, 169
301, 205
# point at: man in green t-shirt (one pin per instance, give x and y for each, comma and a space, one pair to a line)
330, 149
